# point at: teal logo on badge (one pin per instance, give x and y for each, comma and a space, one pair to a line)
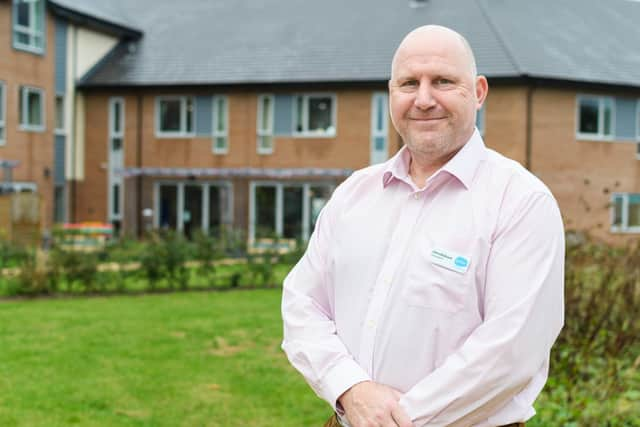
461, 262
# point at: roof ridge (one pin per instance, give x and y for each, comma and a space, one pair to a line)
501, 39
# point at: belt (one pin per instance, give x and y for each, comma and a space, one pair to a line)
333, 422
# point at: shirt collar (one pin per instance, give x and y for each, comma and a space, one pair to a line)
463, 165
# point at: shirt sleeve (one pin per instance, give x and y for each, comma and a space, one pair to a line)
310, 337
523, 315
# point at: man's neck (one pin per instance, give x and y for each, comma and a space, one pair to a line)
421, 167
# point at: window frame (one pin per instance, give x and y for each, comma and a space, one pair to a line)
598, 136
215, 133
265, 131
60, 130
182, 133
376, 156
306, 97
114, 181
279, 207
624, 227
23, 93
3, 109
31, 31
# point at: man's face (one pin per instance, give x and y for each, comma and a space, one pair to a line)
434, 94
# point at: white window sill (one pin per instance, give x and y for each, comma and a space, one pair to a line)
313, 134
60, 132
594, 137
629, 230
29, 48
174, 135
265, 151
28, 128
219, 152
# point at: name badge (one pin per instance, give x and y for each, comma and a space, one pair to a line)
450, 260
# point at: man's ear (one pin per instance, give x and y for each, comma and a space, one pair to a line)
482, 90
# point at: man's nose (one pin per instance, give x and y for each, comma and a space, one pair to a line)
424, 97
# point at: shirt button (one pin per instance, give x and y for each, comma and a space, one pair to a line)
371, 323
416, 196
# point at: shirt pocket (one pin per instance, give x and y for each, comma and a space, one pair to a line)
435, 287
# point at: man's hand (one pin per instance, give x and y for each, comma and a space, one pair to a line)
369, 404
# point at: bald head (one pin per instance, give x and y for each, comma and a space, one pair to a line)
435, 35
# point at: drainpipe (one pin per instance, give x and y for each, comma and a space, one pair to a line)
529, 125
74, 133
138, 204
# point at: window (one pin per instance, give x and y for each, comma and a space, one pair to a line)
265, 124
116, 159
28, 25
31, 107
220, 125
60, 114
379, 127
315, 115
286, 211
3, 108
174, 116
595, 117
625, 215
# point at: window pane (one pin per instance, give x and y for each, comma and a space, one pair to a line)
318, 197
221, 115
266, 142
23, 14
266, 113
292, 227
588, 116
215, 210
23, 119
22, 38
192, 215
221, 143
59, 112
189, 107
170, 116
320, 114
608, 108
1, 132
117, 117
299, 113
168, 207
380, 111
38, 19
34, 102
617, 210
634, 211
379, 143
265, 203
116, 144
116, 199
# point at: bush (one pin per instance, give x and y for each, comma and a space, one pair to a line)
594, 366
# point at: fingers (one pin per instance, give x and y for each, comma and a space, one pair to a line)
400, 417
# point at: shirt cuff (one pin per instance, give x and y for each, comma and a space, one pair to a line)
341, 378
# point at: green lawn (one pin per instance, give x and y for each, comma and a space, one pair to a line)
184, 359
198, 359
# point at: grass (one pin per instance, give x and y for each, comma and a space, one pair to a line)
186, 359
201, 359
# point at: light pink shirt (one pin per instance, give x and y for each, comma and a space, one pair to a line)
371, 300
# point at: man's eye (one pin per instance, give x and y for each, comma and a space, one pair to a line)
409, 83
443, 81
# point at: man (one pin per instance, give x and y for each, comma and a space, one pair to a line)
432, 288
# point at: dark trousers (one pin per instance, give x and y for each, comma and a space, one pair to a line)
333, 422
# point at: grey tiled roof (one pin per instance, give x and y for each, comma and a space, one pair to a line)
107, 11
279, 41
